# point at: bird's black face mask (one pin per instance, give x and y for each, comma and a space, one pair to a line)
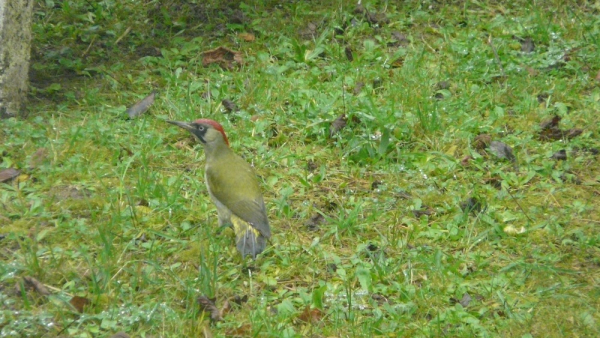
199, 130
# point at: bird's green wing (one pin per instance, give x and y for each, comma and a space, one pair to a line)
239, 191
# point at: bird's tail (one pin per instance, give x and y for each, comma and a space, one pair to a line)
249, 241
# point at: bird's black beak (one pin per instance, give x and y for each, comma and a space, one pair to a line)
185, 125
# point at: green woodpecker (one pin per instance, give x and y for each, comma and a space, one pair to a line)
233, 187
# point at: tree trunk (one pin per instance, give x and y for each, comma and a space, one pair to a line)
15, 45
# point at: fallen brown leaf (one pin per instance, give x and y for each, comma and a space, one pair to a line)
225, 309
482, 141
248, 37
495, 182
315, 221
337, 125
237, 16
222, 56
208, 305
550, 123
598, 76
424, 211
543, 97
572, 133
550, 134
380, 299
471, 204
8, 174
442, 85
230, 106
36, 285
239, 300
311, 165
79, 303
348, 52
142, 106
502, 150
527, 45
183, 144
331, 267
399, 62
377, 18
465, 300
311, 316
359, 9
400, 39
550, 131
310, 32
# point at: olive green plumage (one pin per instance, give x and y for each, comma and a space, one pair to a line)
233, 187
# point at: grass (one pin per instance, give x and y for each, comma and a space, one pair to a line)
369, 234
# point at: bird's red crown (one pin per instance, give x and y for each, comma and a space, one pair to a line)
215, 125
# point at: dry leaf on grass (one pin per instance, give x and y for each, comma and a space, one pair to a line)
337, 125
571, 133
502, 150
239, 300
424, 211
230, 106
311, 165
311, 316
208, 305
377, 18
237, 17
314, 222
141, 106
79, 303
222, 56
348, 52
8, 174
380, 299
465, 160
399, 39
495, 182
465, 300
248, 37
550, 130
398, 63
310, 32
527, 45
550, 123
471, 204
32, 283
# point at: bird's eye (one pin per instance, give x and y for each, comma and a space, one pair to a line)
200, 127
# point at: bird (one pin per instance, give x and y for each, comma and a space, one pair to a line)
233, 187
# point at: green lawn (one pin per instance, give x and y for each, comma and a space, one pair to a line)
403, 223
